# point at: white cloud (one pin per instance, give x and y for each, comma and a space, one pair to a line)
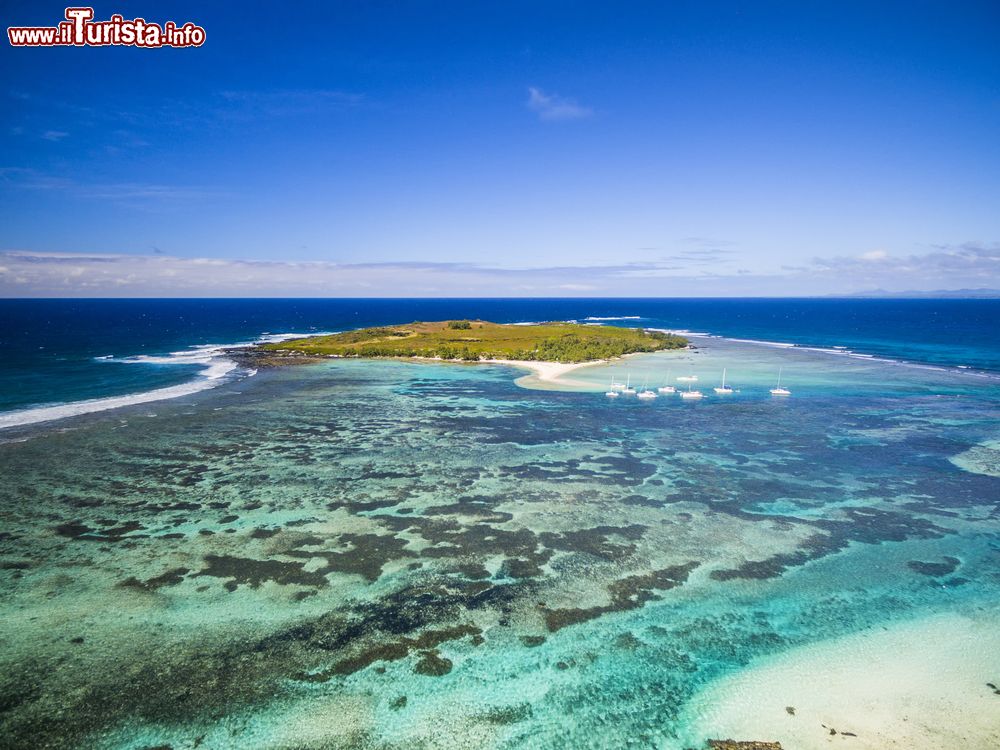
553, 107
33, 274
874, 255
28, 274
54, 135
969, 265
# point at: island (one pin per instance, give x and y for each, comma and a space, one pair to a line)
558, 345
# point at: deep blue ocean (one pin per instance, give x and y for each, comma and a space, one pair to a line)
62, 351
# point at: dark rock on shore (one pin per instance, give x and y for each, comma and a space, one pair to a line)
253, 357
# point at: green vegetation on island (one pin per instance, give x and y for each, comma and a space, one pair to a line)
477, 339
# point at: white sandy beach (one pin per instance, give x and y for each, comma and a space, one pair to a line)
549, 372
554, 372
921, 685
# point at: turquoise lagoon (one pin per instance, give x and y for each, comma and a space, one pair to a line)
385, 554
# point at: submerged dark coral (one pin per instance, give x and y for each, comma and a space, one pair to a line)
947, 566
627, 593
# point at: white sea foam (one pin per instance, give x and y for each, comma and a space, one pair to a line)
684, 332
826, 350
216, 368
614, 317
76, 408
837, 350
759, 342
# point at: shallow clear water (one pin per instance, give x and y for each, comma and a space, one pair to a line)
397, 555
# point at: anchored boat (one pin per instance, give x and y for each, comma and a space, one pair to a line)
723, 388
666, 388
778, 390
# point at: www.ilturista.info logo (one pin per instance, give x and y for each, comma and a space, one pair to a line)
80, 30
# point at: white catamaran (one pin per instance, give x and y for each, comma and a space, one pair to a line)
666, 388
646, 391
691, 394
613, 389
628, 390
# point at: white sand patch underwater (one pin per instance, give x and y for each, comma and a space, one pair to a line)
919, 685
980, 459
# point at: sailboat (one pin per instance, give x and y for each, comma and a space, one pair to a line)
615, 385
646, 392
778, 390
667, 388
723, 388
687, 378
691, 394
628, 390
613, 389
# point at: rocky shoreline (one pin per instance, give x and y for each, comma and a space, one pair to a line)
255, 357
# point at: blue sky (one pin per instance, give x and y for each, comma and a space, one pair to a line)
507, 148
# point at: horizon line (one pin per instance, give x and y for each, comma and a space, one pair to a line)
937, 295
